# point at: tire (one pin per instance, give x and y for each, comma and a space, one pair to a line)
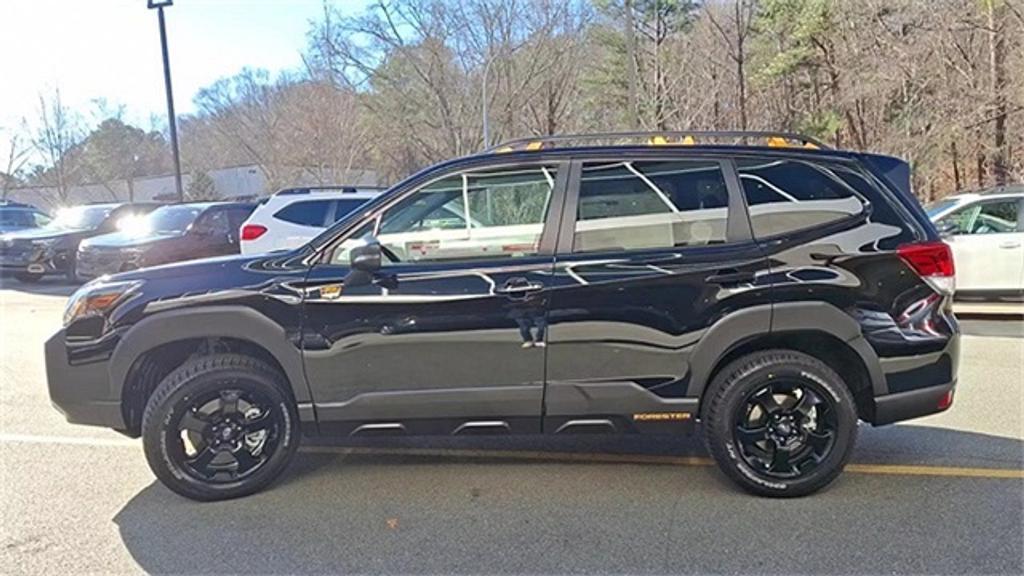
191, 409
802, 406
28, 277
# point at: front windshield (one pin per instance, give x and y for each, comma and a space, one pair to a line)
80, 218
170, 219
936, 208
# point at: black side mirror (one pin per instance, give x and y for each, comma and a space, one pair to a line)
365, 262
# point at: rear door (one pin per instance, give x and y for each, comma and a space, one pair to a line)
294, 224
651, 253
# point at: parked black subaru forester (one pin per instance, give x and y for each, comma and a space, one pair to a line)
771, 289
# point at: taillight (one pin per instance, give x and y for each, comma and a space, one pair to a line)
933, 262
253, 231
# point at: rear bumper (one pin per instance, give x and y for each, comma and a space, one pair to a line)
913, 404
81, 392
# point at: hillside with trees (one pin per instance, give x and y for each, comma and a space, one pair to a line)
406, 83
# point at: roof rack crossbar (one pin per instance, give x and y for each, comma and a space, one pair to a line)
684, 137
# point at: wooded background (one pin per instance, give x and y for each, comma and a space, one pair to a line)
406, 83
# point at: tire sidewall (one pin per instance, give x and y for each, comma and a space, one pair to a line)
159, 432
825, 382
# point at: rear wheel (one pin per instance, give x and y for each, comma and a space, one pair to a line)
780, 423
220, 427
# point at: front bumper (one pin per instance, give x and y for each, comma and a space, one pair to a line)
82, 392
93, 263
38, 261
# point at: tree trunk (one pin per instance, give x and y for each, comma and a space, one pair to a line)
997, 73
633, 112
741, 75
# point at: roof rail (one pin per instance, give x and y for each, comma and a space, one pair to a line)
662, 138
298, 190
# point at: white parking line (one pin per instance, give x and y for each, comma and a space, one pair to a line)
67, 440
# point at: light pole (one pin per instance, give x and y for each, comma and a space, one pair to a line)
172, 120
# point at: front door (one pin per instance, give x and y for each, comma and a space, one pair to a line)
651, 261
450, 337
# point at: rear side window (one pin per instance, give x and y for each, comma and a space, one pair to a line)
236, 216
305, 213
343, 208
638, 205
788, 195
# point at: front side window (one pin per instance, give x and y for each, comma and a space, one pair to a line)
995, 217
789, 195
650, 204
494, 213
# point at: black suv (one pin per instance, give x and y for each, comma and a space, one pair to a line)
776, 293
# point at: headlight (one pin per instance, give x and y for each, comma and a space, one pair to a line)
97, 299
45, 243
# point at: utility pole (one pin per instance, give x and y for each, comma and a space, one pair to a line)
172, 119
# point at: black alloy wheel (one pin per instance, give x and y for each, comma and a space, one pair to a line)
786, 429
779, 422
226, 435
220, 426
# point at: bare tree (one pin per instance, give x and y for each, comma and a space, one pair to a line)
58, 133
18, 150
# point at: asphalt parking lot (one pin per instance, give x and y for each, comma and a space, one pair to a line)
943, 494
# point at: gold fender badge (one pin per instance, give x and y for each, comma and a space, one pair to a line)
660, 416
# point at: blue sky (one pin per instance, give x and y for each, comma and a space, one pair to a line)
110, 49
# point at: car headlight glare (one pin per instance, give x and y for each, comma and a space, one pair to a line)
97, 299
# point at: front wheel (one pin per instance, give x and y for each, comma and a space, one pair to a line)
780, 423
220, 427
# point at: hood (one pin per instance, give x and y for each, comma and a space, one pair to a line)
212, 272
42, 234
126, 239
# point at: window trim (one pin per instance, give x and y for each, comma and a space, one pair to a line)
737, 230
549, 231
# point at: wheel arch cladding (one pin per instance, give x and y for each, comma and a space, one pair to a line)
155, 346
815, 328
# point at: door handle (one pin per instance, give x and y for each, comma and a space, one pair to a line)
518, 287
1010, 244
730, 276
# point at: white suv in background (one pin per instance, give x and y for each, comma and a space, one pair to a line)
986, 232
293, 216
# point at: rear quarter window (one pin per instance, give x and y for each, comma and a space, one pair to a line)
305, 213
788, 195
346, 207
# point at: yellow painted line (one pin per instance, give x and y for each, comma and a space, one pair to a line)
878, 469
952, 471
538, 456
